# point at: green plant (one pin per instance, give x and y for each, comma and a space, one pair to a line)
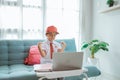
110, 2
94, 46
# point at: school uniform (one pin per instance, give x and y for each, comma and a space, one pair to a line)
46, 47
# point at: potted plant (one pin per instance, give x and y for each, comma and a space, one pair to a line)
94, 46
110, 3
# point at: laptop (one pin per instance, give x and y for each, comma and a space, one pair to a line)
61, 62
67, 61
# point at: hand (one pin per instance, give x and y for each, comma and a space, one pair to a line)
40, 45
63, 44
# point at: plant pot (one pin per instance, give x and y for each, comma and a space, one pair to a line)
92, 61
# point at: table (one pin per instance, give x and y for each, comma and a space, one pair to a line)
59, 74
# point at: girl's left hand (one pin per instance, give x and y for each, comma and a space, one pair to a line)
63, 44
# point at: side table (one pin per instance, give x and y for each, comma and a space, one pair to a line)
59, 74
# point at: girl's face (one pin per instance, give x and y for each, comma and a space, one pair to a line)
51, 36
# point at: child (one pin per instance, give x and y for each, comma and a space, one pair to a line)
48, 47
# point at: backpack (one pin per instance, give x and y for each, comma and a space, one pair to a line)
33, 56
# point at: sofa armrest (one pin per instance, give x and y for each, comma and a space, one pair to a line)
93, 71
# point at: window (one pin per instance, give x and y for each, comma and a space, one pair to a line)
10, 18
32, 19
63, 15
28, 19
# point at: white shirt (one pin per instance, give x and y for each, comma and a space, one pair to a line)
46, 47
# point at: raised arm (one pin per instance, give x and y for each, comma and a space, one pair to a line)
42, 52
63, 45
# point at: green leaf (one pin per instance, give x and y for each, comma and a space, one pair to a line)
95, 40
105, 49
102, 44
84, 46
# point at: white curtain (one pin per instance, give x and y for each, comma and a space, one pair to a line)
28, 19
20, 19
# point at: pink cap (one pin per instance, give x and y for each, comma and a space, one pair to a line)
52, 29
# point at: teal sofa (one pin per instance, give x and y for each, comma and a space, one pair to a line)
13, 53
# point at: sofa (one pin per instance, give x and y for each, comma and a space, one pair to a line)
13, 53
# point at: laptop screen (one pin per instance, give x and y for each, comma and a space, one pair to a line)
67, 61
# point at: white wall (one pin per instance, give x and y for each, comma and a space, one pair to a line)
106, 27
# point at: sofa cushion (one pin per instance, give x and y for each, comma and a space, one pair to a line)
17, 72
3, 53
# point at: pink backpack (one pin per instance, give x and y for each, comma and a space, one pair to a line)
33, 56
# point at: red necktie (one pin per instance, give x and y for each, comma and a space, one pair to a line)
51, 50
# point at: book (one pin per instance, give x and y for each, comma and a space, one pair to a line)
43, 67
